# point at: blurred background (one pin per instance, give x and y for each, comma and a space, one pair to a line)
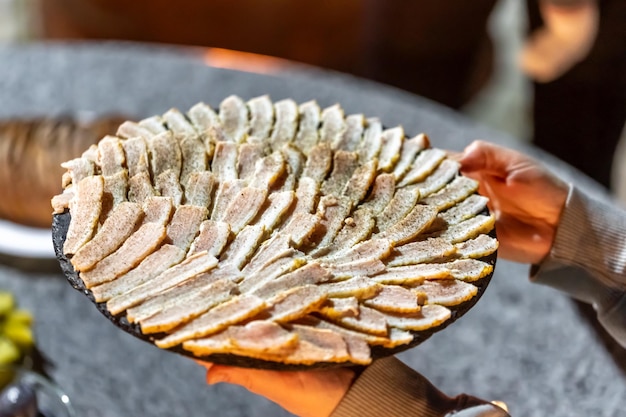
465, 56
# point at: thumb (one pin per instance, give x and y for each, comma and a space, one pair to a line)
485, 157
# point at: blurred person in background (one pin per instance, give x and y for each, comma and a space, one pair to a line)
575, 51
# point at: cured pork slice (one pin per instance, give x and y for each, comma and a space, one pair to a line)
394, 298
410, 148
414, 223
286, 123
306, 195
356, 228
309, 274
317, 345
308, 136
165, 154
61, 202
112, 158
213, 237
367, 321
261, 111
441, 176
269, 272
318, 163
430, 315
218, 318
425, 163
191, 303
157, 210
130, 130
374, 249
364, 267
295, 303
332, 126
479, 247
471, 206
200, 188
447, 292
412, 274
429, 250
459, 189
268, 170
469, 269
85, 207
140, 188
372, 140
257, 339
332, 212
153, 124
194, 158
469, 229
295, 164
153, 265
337, 308
115, 230
389, 153
360, 287
278, 246
382, 193
249, 154
352, 136
79, 168
168, 185
224, 165
243, 246
398, 208
243, 208
190, 267
179, 124
203, 117
395, 337
134, 249
344, 165
184, 225
226, 193
233, 116
277, 204
115, 191
359, 184
136, 152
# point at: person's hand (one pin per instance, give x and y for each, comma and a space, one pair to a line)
566, 38
526, 199
304, 393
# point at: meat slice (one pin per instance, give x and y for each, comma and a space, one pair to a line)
269, 170
317, 345
444, 173
115, 191
153, 124
396, 299
192, 299
372, 140
165, 154
295, 164
203, 117
469, 229
469, 270
410, 148
431, 315
425, 163
224, 164
179, 124
373, 249
356, 228
233, 115
112, 158
261, 113
243, 246
394, 338
412, 274
359, 184
140, 188
286, 123
479, 247
318, 163
332, 126
352, 136
412, 225
398, 208
344, 165
249, 154
306, 195
332, 212
79, 168
116, 228
300, 228
61, 202
226, 193
308, 136
277, 205
194, 157
168, 185
309, 274
154, 264
429, 250
278, 246
295, 303
466, 209
367, 321
390, 152
244, 207
157, 210
184, 225
190, 267
199, 188
447, 292
269, 272
212, 238
216, 319
360, 287
85, 206
459, 189
337, 308
259, 339
134, 249
130, 130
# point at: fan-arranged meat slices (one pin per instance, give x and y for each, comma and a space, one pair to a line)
275, 231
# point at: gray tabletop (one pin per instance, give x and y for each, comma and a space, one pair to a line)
524, 344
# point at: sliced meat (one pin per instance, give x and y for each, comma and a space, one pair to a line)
165, 154
244, 207
308, 136
79, 168
300, 228
394, 298
317, 345
318, 163
226, 193
390, 152
212, 238
115, 191
395, 337
111, 155
418, 219
269, 170
249, 154
278, 246
179, 124
224, 164
412, 274
429, 250
199, 188
360, 287
295, 164
234, 117
410, 148
356, 228
364, 267
153, 124
332, 126
447, 292
352, 136
332, 212
134, 249
382, 193
157, 210
286, 123
269, 272
479, 247
277, 205
194, 158
337, 308
177, 274
61, 202
359, 184
469, 229
85, 206
344, 165
431, 315
466, 209
398, 208
243, 246
309, 274
131, 130
184, 225
168, 185
373, 249
306, 195
154, 264
140, 188
116, 228
261, 113
425, 163
469, 270
444, 173
459, 189
295, 303
218, 318
367, 321
203, 117
372, 140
